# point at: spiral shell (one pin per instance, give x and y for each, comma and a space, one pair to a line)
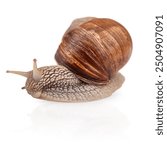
94, 49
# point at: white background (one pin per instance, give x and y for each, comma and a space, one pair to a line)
126, 120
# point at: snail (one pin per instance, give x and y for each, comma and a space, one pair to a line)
89, 58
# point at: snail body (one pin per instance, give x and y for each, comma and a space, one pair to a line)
90, 55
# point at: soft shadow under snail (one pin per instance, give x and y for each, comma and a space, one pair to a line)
90, 55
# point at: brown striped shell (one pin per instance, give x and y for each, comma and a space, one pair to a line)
94, 49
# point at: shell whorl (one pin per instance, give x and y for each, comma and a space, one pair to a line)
95, 49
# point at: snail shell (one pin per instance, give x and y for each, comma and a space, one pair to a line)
94, 49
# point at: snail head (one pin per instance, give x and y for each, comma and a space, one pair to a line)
33, 77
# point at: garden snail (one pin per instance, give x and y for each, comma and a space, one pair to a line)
89, 57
